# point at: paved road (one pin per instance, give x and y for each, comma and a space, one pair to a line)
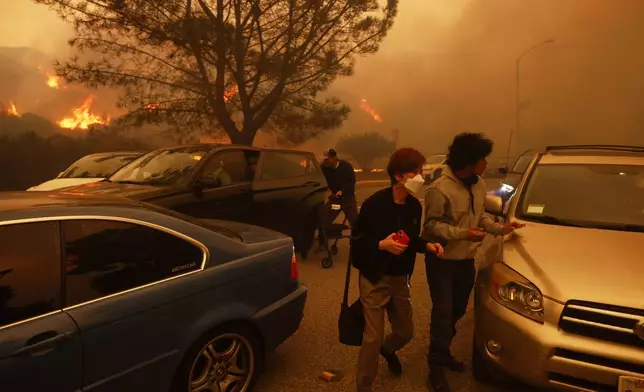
296, 365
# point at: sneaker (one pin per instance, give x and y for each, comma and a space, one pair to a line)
447, 362
437, 382
454, 365
393, 363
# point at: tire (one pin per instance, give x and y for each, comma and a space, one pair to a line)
327, 262
239, 365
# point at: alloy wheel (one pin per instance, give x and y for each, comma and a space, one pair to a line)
225, 364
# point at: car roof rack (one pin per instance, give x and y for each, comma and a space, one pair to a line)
605, 147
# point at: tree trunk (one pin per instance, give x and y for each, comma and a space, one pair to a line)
244, 137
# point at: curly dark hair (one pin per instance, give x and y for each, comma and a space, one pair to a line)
404, 160
467, 149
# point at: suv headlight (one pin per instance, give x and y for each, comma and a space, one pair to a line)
515, 292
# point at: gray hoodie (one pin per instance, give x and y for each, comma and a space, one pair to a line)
449, 215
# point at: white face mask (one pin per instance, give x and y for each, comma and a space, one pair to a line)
415, 184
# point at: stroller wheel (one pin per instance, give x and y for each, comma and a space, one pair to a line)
334, 249
327, 262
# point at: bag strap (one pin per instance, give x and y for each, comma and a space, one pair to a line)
347, 281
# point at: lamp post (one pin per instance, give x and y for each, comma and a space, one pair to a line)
518, 82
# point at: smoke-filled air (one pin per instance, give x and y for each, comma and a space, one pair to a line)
444, 66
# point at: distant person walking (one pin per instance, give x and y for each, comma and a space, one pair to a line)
386, 262
454, 206
341, 179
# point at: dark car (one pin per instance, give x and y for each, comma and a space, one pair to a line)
513, 176
107, 294
279, 189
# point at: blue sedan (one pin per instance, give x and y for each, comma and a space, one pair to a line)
105, 294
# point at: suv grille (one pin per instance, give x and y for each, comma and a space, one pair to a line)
603, 322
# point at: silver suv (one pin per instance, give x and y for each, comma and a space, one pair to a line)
562, 306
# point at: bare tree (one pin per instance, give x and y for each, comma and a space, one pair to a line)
224, 65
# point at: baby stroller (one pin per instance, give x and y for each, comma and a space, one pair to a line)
331, 231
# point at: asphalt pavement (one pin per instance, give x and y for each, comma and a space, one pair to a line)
297, 364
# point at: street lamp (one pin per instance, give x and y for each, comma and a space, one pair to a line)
518, 70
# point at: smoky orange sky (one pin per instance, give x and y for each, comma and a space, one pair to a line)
449, 66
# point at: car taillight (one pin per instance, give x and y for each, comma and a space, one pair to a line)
295, 274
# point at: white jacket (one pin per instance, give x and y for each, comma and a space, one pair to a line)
449, 215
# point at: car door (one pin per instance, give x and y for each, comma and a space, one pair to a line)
121, 292
288, 189
223, 188
40, 346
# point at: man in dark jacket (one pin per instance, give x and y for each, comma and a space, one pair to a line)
386, 264
341, 179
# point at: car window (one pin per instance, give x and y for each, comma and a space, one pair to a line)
598, 195
522, 164
30, 269
229, 167
98, 166
107, 257
278, 165
162, 167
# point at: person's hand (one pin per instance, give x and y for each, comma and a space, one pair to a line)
391, 246
509, 227
339, 194
435, 248
475, 234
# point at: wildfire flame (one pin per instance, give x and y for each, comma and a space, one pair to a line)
11, 110
53, 81
82, 118
369, 110
230, 93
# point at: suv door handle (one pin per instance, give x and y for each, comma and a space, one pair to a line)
42, 343
311, 184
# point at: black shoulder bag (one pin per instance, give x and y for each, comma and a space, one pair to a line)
351, 322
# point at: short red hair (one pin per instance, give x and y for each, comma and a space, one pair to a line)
404, 160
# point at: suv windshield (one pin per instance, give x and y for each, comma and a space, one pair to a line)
161, 167
98, 166
590, 195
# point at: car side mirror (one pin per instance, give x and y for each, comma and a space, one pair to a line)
494, 205
503, 170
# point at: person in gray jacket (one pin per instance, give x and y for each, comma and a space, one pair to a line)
454, 207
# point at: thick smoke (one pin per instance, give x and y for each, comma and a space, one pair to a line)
587, 87
449, 66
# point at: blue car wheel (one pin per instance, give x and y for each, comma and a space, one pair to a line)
226, 359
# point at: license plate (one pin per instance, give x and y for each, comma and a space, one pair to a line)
630, 384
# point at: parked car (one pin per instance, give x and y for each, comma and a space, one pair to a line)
513, 176
279, 189
432, 167
563, 305
107, 294
90, 168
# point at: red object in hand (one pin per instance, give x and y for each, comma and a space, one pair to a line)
401, 237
